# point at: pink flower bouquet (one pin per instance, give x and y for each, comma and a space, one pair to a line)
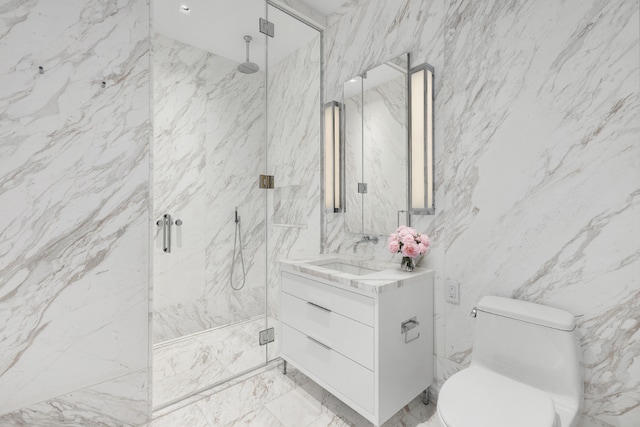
409, 243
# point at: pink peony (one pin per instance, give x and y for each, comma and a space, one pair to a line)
408, 239
403, 230
422, 249
424, 239
393, 237
394, 247
410, 250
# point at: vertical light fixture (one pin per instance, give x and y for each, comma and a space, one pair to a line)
333, 158
421, 163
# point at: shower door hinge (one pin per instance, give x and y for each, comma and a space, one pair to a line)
362, 187
266, 181
267, 336
267, 27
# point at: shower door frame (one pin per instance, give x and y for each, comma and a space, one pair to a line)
267, 360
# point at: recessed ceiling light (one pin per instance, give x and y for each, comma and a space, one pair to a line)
185, 9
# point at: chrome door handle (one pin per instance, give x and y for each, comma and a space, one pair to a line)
167, 233
166, 222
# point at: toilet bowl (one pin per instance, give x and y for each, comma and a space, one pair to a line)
525, 369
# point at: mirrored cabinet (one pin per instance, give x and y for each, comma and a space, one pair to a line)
379, 147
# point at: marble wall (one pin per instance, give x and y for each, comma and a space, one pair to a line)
209, 149
537, 156
74, 180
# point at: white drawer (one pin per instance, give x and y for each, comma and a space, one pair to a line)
347, 336
336, 371
348, 304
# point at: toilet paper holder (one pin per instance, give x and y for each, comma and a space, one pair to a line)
408, 325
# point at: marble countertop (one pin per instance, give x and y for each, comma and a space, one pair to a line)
386, 276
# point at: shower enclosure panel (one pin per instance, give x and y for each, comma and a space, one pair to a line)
293, 146
209, 149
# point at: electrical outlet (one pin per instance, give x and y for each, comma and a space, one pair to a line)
453, 292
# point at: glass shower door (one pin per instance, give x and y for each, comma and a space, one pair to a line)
293, 147
209, 149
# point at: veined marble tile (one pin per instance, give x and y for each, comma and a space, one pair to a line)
259, 418
190, 415
295, 408
122, 401
351, 47
189, 364
270, 398
75, 174
226, 406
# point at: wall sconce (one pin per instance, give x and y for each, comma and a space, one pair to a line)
333, 158
421, 163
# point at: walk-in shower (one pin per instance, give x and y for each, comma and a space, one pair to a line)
214, 290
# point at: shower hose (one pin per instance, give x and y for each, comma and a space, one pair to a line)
237, 245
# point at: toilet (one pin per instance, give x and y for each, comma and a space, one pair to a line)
525, 369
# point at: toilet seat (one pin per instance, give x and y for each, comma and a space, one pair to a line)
478, 397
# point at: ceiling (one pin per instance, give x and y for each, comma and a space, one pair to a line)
219, 26
325, 7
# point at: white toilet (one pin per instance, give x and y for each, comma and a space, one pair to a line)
525, 369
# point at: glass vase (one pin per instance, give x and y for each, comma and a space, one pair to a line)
407, 264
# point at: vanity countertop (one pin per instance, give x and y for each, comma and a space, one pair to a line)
385, 275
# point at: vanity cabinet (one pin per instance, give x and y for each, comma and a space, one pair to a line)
350, 339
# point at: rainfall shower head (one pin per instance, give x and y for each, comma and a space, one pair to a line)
248, 67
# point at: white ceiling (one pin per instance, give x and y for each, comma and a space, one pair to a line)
325, 7
219, 26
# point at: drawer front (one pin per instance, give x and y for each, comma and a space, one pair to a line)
348, 304
347, 336
344, 375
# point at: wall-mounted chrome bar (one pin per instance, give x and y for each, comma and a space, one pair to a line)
166, 222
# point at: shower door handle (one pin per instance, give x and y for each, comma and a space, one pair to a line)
166, 222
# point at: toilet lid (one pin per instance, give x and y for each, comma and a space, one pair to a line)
477, 397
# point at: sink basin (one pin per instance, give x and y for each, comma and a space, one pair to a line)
348, 268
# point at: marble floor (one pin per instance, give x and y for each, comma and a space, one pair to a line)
268, 398
187, 364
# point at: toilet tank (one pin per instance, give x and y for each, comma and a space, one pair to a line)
531, 343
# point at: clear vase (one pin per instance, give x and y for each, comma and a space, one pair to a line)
407, 264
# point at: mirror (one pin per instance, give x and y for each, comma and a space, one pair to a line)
376, 148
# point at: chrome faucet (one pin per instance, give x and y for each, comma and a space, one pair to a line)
365, 239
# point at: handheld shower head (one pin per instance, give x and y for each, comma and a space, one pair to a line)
248, 67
